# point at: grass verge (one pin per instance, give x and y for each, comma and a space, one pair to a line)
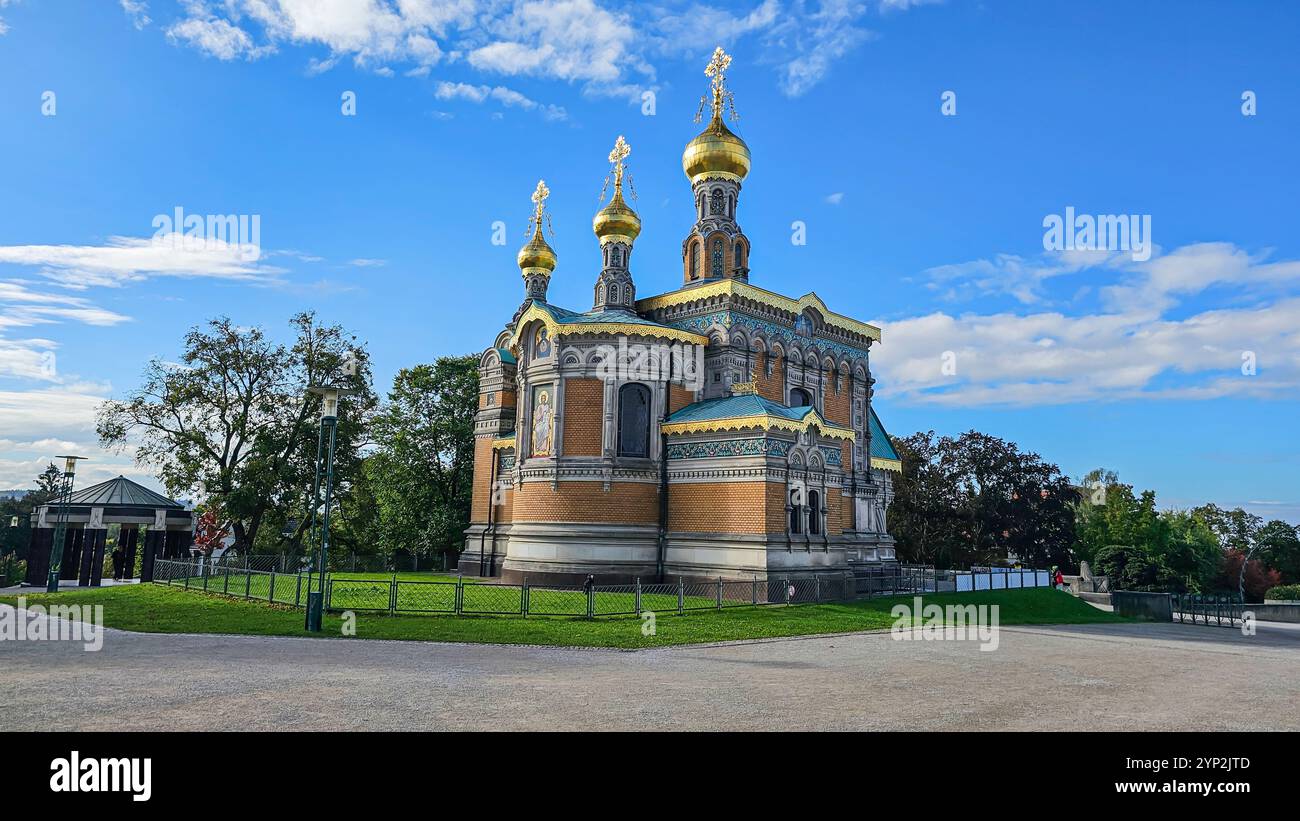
151, 608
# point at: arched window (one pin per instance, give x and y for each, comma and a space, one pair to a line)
796, 513
634, 420
613, 293
695, 260
814, 513
717, 258
800, 398
740, 261
715, 202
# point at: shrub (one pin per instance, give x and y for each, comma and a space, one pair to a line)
1286, 592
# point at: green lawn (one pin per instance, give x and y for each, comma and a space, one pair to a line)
155, 608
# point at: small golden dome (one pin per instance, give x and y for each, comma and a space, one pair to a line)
716, 152
536, 255
616, 222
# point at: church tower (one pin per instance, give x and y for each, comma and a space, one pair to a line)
616, 226
716, 162
536, 259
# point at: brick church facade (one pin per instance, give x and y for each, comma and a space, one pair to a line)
719, 429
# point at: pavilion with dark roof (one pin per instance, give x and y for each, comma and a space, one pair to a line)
167, 524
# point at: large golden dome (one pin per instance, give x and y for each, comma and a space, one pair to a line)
536, 255
716, 152
616, 222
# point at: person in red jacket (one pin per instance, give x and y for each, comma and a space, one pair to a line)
1059, 579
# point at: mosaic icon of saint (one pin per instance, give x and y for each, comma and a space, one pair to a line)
542, 345
542, 424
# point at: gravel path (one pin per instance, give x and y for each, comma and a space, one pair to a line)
1139, 676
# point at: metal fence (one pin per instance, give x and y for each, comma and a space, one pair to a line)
1222, 610
300, 562
398, 595
456, 597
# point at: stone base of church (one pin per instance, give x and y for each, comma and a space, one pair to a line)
565, 554
568, 553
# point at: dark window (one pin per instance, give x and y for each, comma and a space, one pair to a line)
739, 261
634, 420
800, 398
695, 260
796, 513
814, 513
717, 258
715, 203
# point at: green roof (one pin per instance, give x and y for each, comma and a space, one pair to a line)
881, 447
727, 407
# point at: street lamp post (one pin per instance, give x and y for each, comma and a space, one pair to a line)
65, 498
329, 421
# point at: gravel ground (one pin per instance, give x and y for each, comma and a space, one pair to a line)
1138, 676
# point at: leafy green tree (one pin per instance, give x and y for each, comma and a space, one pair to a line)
421, 473
232, 422
15, 537
1235, 529
977, 499
1278, 544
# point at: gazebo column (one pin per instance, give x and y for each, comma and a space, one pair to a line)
92, 550
127, 540
71, 553
153, 547
38, 555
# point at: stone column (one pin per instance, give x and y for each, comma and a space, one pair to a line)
128, 538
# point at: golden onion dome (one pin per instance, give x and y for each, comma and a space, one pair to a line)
616, 222
716, 152
536, 255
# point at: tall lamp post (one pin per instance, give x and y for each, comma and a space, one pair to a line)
329, 422
65, 498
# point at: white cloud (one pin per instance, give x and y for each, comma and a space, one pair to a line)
606, 50
501, 94
1133, 350
138, 12
836, 198
133, 259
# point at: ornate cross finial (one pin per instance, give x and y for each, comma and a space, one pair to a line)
620, 152
716, 71
539, 206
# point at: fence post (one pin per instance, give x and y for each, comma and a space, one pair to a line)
753, 592
681, 596
248, 584
523, 597
460, 594
270, 596
719, 592
817, 588
187, 578
787, 590
637, 599
591, 602
297, 594
392, 591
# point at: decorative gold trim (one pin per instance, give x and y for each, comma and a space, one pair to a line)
579, 328
739, 388
735, 287
502, 442
895, 465
762, 421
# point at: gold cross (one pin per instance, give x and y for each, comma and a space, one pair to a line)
620, 152
716, 70
539, 202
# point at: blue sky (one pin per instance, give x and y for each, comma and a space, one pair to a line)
929, 225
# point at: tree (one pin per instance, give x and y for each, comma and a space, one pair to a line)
233, 423
49, 484
1258, 581
1278, 544
421, 473
16, 538
977, 499
1235, 529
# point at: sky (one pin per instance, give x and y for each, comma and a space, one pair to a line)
921, 149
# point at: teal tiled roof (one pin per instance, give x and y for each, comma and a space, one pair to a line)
881, 447
727, 407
